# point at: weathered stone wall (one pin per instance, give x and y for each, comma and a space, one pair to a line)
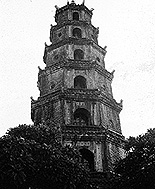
90, 53
101, 83
109, 88
48, 82
84, 48
67, 14
62, 17
116, 152
58, 112
67, 51
71, 74
122, 152
110, 118
94, 80
82, 107
100, 114
96, 55
59, 34
99, 163
57, 55
68, 112
71, 106
47, 110
85, 17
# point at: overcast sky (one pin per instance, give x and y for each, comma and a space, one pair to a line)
127, 28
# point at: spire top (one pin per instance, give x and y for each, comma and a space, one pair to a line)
83, 2
73, 1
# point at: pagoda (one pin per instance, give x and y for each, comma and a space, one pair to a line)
75, 90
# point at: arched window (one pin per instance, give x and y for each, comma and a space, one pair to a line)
75, 16
77, 33
82, 117
80, 82
78, 54
87, 158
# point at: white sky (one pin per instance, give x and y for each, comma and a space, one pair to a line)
127, 27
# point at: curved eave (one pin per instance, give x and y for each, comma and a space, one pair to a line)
53, 96
81, 65
73, 22
75, 41
83, 94
111, 102
115, 137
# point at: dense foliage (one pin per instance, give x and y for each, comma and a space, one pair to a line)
137, 170
31, 157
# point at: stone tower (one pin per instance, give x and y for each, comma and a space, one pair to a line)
75, 90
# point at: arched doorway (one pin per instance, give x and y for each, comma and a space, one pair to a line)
80, 82
87, 158
82, 117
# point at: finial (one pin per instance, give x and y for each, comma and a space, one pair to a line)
113, 72
105, 47
32, 100
56, 7
121, 102
97, 30
73, 1
45, 44
83, 2
39, 68
91, 9
67, 2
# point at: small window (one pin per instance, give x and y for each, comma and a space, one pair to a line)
77, 33
80, 82
78, 54
75, 16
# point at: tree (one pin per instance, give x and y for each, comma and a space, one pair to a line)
137, 170
32, 157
